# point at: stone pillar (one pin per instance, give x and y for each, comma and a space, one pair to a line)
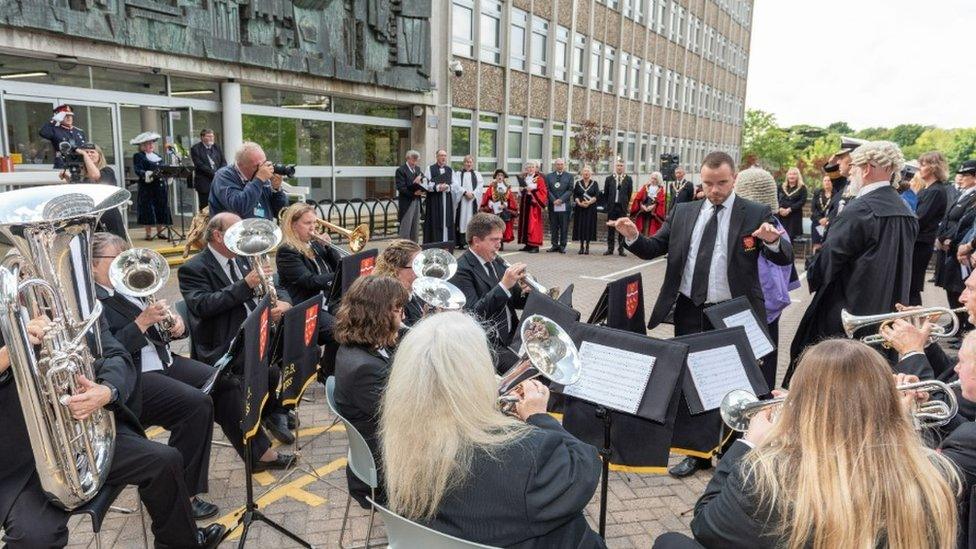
149, 120
230, 98
422, 139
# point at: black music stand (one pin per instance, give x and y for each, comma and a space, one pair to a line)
256, 347
172, 174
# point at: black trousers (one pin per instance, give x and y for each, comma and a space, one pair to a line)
920, 263
35, 523
203, 197
615, 211
171, 399
559, 227
769, 362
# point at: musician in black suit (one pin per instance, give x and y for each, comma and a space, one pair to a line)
492, 290
219, 293
307, 263
367, 326
207, 159
617, 189
30, 520
772, 488
488, 477
409, 179
714, 245
559, 183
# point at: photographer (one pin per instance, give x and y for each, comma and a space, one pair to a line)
94, 169
249, 188
61, 129
152, 206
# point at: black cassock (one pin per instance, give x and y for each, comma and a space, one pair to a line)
865, 266
439, 216
794, 199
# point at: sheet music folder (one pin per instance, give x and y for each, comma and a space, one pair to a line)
720, 313
715, 340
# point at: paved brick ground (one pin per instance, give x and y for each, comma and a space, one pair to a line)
310, 501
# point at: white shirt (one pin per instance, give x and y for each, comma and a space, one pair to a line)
871, 187
718, 279
490, 269
148, 355
225, 264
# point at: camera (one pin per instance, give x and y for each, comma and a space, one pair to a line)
457, 68
73, 158
286, 170
669, 162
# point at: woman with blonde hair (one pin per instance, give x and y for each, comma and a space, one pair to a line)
306, 262
838, 464
792, 197
397, 261
453, 461
930, 208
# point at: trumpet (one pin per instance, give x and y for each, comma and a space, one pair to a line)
852, 323
141, 272
739, 406
552, 292
549, 352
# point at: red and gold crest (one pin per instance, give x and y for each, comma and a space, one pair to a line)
366, 266
749, 243
633, 298
311, 323
263, 341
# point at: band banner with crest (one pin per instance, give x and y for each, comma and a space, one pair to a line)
257, 346
301, 351
626, 304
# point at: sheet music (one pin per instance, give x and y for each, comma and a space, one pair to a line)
715, 372
612, 377
758, 340
559, 207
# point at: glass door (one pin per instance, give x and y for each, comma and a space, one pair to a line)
179, 124
23, 118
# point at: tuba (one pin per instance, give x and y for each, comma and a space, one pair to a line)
141, 272
254, 239
45, 234
549, 352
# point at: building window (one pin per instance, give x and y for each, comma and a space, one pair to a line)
624, 74
516, 39
660, 21
558, 135
516, 126
487, 142
609, 65
672, 19
362, 145
679, 26
540, 46
462, 42
536, 131
491, 35
658, 74
460, 136
639, 11
561, 60
579, 59
574, 164
648, 83
596, 54
631, 153
635, 67
628, 9
668, 79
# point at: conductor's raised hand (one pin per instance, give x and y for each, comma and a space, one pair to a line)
767, 232
624, 226
512, 275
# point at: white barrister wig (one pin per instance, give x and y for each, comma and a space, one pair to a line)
883, 154
758, 185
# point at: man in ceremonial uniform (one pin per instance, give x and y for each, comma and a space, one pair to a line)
713, 248
560, 186
958, 221
409, 181
865, 264
439, 221
534, 197
61, 129
617, 189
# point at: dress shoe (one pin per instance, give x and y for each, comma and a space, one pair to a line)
562, 250
533, 250
283, 461
525, 248
292, 420
688, 466
277, 424
622, 252
580, 252
608, 252
202, 509
210, 536
553, 249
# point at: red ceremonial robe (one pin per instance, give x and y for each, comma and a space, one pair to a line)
648, 223
507, 213
531, 204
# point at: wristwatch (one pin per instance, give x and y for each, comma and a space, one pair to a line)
115, 392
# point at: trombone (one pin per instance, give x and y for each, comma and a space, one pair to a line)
853, 323
552, 292
738, 406
357, 237
548, 351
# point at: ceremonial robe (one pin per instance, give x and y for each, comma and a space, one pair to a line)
531, 204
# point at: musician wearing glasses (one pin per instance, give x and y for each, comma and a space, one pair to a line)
367, 327
30, 520
397, 261
306, 262
493, 289
838, 464
219, 291
457, 464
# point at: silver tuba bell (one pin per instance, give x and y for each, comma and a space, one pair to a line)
141, 272
433, 268
45, 240
549, 351
254, 239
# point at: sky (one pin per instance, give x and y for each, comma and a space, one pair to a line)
866, 62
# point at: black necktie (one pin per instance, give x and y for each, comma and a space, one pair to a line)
703, 260
233, 271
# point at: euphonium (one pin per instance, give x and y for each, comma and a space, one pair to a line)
433, 268
45, 234
254, 239
141, 272
549, 351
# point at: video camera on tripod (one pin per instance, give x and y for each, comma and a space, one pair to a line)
74, 158
669, 162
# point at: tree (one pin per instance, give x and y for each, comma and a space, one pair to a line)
934, 139
962, 148
906, 134
840, 128
765, 144
813, 158
590, 144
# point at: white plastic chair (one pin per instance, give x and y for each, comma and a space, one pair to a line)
407, 534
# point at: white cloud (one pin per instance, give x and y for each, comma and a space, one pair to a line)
866, 62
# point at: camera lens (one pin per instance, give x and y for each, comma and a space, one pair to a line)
287, 170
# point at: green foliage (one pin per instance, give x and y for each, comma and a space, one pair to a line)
765, 144
840, 127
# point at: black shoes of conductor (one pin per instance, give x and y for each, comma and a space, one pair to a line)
210, 536
202, 509
277, 425
688, 466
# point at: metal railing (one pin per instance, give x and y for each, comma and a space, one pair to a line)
380, 214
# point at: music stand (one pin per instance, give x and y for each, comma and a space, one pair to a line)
172, 174
256, 349
645, 392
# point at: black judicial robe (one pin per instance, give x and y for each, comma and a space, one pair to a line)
439, 216
865, 266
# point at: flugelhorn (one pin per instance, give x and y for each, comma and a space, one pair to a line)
853, 323
549, 352
552, 292
141, 272
433, 268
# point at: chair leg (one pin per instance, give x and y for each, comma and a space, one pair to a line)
345, 516
98, 540
369, 529
142, 519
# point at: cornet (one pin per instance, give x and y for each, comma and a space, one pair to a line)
531, 281
549, 351
141, 272
853, 323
